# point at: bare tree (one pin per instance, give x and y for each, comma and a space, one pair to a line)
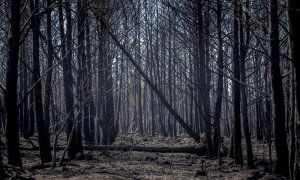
43, 131
12, 131
218, 105
282, 152
237, 134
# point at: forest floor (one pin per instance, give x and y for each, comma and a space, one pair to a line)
141, 165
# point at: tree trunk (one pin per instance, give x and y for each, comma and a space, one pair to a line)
91, 104
12, 130
218, 105
243, 53
282, 153
237, 134
85, 78
100, 85
24, 109
205, 74
109, 126
81, 81
43, 131
32, 117
49, 65
294, 14
66, 44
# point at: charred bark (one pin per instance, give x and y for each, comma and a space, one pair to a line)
12, 130
282, 152
43, 131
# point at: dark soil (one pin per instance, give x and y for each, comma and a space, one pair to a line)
140, 165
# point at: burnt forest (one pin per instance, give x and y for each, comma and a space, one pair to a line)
149, 89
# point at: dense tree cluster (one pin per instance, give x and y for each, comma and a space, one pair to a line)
95, 69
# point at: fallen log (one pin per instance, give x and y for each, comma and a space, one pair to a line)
201, 151
185, 149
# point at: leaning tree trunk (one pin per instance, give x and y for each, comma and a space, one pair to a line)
12, 130
177, 117
282, 152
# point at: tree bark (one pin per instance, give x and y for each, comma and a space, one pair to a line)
100, 79
43, 131
12, 130
218, 105
25, 119
243, 53
49, 65
205, 73
294, 14
237, 134
110, 125
81, 81
91, 104
66, 54
282, 152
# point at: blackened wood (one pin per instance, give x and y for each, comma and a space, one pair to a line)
12, 130
237, 135
43, 131
282, 152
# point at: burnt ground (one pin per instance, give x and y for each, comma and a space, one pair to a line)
141, 165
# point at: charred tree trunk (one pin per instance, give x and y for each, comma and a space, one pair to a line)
43, 132
294, 28
282, 152
66, 54
12, 130
204, 92
110, 125
243, 53
218, 105
81, 81
237, 134
24, 107
293, 14
85, 78
32, 118
100, 85
91, 104
206, 79
49, 65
